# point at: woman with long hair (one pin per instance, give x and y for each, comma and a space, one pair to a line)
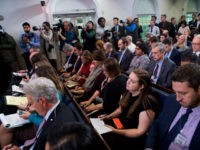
136, 113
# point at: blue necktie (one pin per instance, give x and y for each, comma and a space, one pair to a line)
175, 130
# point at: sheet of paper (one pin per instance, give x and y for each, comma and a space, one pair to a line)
19, 74
99, 125
17, 89
12, 120
16, 100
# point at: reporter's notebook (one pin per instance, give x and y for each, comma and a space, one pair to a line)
16, 100
12, 120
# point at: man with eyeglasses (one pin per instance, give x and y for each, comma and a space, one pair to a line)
161, 67
196, 46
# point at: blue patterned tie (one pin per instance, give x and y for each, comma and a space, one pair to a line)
175, 130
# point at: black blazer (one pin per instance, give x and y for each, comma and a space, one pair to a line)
60, 115
121, 33
173, 31
166, 71
162, 124
72, 60
176, 56
126, 60
77, 65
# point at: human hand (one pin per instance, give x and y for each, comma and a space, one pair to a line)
66, 75
23, 106
11, 147
25, 114
85, 103
90, 108
103, 117
111, 127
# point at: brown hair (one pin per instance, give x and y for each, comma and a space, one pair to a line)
100, 44
112, 67
98, 55
87, 55
144, 97
49, 72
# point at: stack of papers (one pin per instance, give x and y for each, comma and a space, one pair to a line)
99, 125
17, 89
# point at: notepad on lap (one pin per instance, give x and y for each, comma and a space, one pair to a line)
16, 100
71, 84
12, 120
99, 125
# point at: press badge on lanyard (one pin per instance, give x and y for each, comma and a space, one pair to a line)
181, 139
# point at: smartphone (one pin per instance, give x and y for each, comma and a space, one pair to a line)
118, 123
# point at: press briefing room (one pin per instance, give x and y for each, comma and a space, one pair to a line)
99, 75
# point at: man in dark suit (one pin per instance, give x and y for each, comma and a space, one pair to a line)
174, 28
161, 68
193, 23
117, 32
164, 24
125, 55
171, 52
196, 47
70, 57
42, 95
170, 130
109, 51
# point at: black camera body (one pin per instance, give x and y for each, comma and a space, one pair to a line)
123, 21
35, 28
107, 33
57, 26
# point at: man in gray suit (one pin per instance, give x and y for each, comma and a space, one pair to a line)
161, 68
42, 96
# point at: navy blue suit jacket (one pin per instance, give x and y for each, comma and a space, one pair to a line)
162, 124
126, 60
176, 57
61, 114
113, 54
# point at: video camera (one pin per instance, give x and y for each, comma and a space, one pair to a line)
35, 28
107, 33
57, 26
123, 21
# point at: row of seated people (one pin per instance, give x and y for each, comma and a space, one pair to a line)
82, 90
45, 93
108, 65
160, 62
138, 109
98, 74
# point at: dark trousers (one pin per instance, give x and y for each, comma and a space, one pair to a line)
27, 61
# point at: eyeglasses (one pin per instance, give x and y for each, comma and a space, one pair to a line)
195, 43
132, 81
